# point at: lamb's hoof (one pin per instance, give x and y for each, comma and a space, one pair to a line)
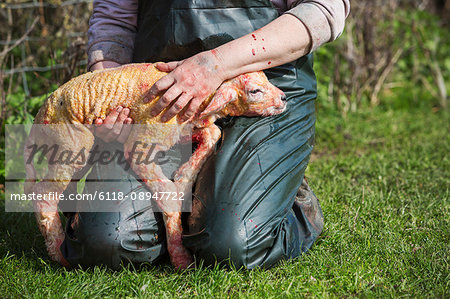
55, 253
184, 261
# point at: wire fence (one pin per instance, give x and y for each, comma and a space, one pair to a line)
42, 68
42, 36
41, 39
38, 4
42, 45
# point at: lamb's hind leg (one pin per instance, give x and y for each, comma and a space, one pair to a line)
46, 210
154, 178
73, 143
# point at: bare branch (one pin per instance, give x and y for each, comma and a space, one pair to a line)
41, 68
45, 4
41, 39
20, 40
376, 90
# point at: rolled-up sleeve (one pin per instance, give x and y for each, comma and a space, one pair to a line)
112, 29
324, 19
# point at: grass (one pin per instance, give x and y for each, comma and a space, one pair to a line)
382, 176
383, 180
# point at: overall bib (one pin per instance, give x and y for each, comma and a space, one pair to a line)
245, 195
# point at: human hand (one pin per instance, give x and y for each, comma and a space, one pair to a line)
115, 127
187, 85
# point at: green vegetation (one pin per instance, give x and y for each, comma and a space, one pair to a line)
380, 169
382, 178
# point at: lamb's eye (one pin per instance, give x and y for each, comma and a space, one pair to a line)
255, 91
61, 103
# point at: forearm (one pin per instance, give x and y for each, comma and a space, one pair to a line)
112, 29
283, 40
302, 29
270, 46
100, 65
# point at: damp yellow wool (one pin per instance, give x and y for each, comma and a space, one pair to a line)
95, 94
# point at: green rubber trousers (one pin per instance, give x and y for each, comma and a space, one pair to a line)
251, 205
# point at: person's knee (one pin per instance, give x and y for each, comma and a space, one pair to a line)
101, 248
101, 241
224, 245
239, 244
249, 244
91, 240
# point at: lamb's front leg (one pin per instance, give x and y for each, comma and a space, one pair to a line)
156, 181
187, 174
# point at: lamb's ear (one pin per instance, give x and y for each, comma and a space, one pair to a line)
224, 95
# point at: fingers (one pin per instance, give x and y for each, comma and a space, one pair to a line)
165, 100
160, 85
112, 128
197, 76
110, 120
180, 103
126, 130
167, 66
191, 110
118, 124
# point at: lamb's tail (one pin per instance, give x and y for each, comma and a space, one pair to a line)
29, 162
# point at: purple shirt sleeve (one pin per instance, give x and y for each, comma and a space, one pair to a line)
112, 27
324, 19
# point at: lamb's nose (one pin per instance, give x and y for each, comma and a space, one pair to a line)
283, 98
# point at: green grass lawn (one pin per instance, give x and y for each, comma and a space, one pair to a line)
382, 178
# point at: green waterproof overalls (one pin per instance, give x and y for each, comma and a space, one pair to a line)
246, 192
